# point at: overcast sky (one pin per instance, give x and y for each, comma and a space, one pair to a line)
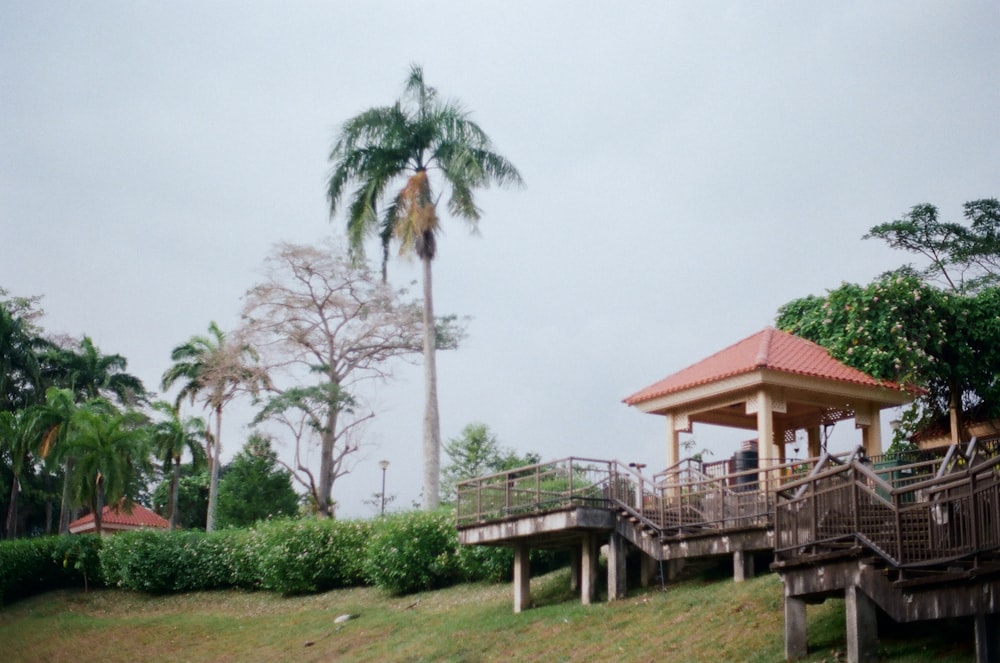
690, 167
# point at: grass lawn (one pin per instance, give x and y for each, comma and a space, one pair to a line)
705, 617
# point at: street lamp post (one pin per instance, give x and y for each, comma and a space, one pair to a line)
384, 464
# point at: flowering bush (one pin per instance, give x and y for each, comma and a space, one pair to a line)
413, 551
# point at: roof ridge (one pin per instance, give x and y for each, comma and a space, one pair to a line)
763, 357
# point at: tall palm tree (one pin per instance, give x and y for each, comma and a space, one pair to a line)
171, 437
18, 438
215, 369
407, 145
110, 449
89, 373
20, 372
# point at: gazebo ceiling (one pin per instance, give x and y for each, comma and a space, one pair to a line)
808, 386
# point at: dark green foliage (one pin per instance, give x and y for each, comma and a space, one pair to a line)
192, 498
412, 552
31, 566
254, 487
159, 561
401, 554
311, 554
475, 453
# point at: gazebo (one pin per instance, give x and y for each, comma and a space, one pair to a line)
119, 519
773, 383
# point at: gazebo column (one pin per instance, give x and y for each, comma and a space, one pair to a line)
673, 442
869, 421
814, 441
765, 436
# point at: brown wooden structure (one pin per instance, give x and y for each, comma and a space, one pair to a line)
915, 534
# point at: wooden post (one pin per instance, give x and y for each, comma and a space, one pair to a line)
522, 577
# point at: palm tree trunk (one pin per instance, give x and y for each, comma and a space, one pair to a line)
15, 488
432, 425
64, 507
175, 481
213, 482
99, 511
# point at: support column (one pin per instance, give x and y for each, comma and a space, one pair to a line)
987, 638
862, 628
871, 434
574, 569
742, 565
522, 577
647, 569
814, 441
616, 567
765, 436
588, 568
795, 629
673, 442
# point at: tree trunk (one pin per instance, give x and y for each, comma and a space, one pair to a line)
175, 482
324, 500
15, 488
64, 507
955, 412
213, 482
432, 425
48, 502
99, 511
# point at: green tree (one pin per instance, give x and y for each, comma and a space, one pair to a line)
20, 346
89, 373
405, 143
962, 257
902, 329
171, 437
215, 369
254, 487
192, 498
475, 453
111, 449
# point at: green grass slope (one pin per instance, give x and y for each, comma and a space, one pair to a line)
705, 617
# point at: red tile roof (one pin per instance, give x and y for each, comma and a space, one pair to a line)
767, 349
120, 518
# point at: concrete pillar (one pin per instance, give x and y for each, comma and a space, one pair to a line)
522, 577
795, 629
674, 568
862, 628
616, 567
574, 569
588, 568
647, 569
742, 565
814, 441
987, 638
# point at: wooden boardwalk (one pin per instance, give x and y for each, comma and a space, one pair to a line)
917, 536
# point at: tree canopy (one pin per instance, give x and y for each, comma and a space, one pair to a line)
935, 327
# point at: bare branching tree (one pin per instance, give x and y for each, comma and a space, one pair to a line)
323, 324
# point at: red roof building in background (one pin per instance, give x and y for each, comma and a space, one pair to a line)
119, 519
775, 383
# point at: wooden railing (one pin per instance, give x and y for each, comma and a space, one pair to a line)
938, 509
679, 500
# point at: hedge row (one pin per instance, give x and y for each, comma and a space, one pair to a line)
400, 554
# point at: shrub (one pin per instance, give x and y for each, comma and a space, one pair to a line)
30, 566
159, 561
485, 563
310, 555
412, 552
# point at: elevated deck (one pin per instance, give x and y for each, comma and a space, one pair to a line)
916, 535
